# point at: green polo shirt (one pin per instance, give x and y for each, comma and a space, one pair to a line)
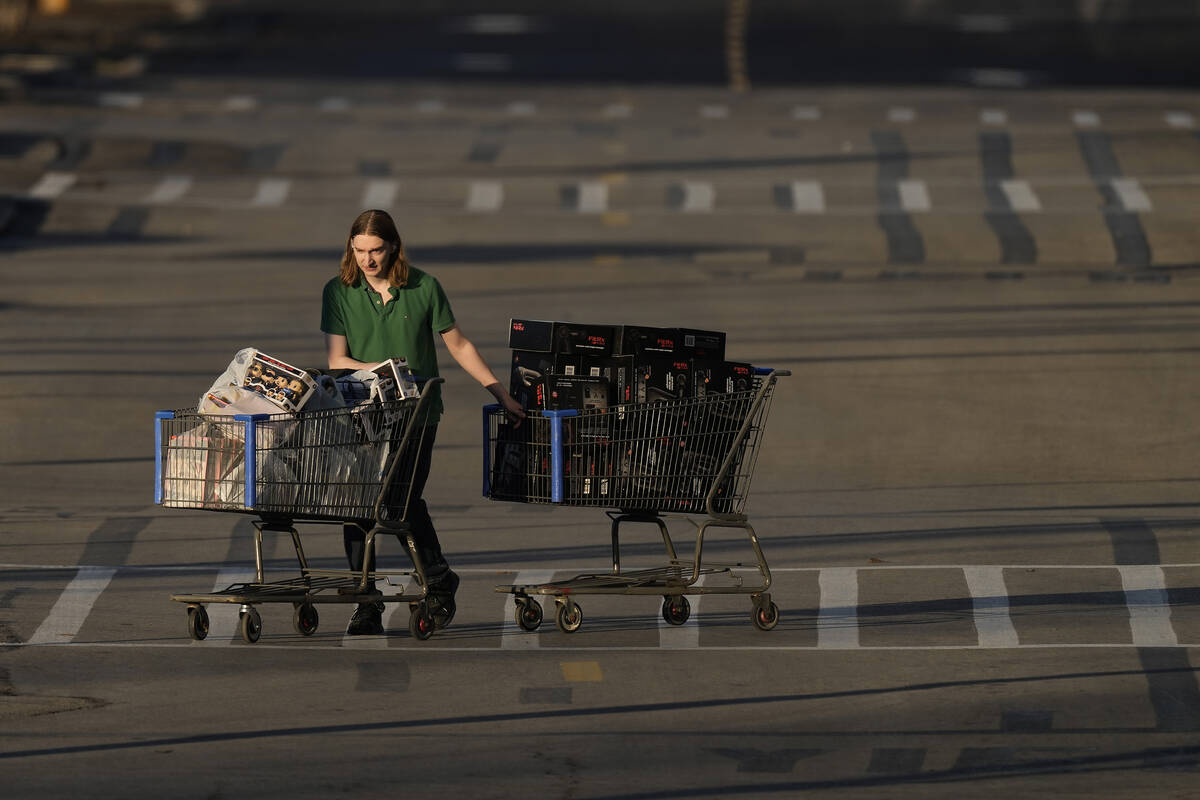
403, 327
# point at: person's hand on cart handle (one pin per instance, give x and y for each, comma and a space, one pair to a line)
512, 409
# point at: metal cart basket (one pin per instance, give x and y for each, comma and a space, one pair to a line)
686, 457
350, 465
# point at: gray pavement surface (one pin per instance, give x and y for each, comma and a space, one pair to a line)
976, 491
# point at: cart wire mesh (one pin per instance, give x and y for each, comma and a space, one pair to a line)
692, 455
336, 464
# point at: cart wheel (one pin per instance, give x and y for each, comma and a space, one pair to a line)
420, 622
251, 625
569, 617
529, 613
197, 623
305, 619
676, 610
766, 616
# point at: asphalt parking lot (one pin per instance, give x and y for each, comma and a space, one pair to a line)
975, 492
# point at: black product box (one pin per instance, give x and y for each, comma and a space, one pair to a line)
701, 344
721, 377
636, 340
661, 378
577, 391
566, 338
527, 382
618, 370
530, 334
575, 339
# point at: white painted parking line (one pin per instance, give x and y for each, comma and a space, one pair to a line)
52, 185
714, 111
1086, 119
497, 24
989, 596
333, 105
593, 197
73, 606
699, 197
120, 100
521, 108
993, 116
240, 103
837, 620
914, 195
1020, 196
1180, 119
380, 193
808, 197
901, 114
271, 192
687, 635
485, 196
223, 617
1129, 191
1149, 607
169, 189
618, 110
513, 637
806, 113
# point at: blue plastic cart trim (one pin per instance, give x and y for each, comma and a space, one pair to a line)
556, 451
159, 416
763, 370
488, 410
251, 455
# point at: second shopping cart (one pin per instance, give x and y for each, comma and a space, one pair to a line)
691, 457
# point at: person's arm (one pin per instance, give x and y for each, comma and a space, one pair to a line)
467, 356
338, 353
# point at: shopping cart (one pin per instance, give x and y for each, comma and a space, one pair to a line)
685, 458
347, 465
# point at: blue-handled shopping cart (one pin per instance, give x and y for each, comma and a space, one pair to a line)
691, 457
345, 465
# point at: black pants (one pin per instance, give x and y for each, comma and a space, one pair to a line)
429, 549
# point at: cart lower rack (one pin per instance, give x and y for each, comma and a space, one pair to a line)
351, 465
691, 457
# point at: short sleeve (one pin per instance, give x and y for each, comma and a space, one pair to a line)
440, 314
332, 320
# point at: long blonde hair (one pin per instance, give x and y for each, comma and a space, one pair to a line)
376, 223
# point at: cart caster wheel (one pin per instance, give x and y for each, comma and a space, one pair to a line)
197, 623
250, 625
569, 617
529, 613
676, 610
766, 616
420, 622
305, 619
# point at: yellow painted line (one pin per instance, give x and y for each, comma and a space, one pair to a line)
581, 671
614, 178
608, 259
615, 218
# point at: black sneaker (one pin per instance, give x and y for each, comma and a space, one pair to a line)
367, 620
440, 598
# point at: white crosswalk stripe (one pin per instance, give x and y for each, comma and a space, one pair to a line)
1149, 607
990, 600
485, 196
169, 189
73, 606
380, 193
1020, 196
52, 185
272, 192
1131, 195
837, 620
